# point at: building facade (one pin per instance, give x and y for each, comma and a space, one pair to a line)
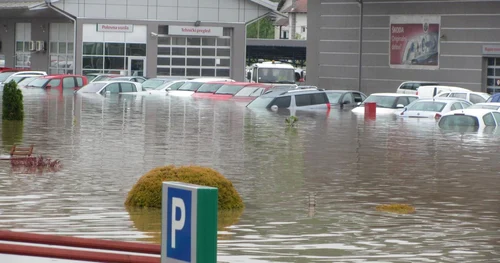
189, 38
295, 25
454, 42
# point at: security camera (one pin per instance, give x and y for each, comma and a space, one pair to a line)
153, 34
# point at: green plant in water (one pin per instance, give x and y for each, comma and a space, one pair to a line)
12, 109
292, 120
396, 208
147, 192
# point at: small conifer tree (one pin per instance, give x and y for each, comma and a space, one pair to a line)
13, 109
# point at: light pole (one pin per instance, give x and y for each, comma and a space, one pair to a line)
360, 63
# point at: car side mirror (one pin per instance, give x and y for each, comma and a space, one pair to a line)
274, 107
346, 102
249, 75
359, 103
48, 86
400, 106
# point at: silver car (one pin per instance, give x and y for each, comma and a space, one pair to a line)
433, 108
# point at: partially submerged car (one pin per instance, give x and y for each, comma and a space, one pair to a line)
469, 120
113, 87
387, 103
345, 99
306, 99
433, 108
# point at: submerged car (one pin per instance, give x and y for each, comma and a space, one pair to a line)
387, 103
104, 87
131, 78
486, 105
433, 108
345, 98
58, 82
191, 86
167, 86
472, 96
306, 99
469, 120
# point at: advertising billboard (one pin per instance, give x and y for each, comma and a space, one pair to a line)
414, 42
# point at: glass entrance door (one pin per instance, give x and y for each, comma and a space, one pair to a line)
137, 66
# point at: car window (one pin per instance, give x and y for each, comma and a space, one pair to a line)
489, 120
176, 86
333, 97
246, 91
497, 116
112, 88
458, 120
303, 100
444, 94
282, 102
347, 99
79, 81
357, 97
257, 92
68, 83
406, 86
140, 80
459, 95
412, 99
427, 106
402, 100
127, 87
414, 86
456, 106
465, 104
474, 98
54, 82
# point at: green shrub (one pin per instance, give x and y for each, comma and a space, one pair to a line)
147, 192
13, 109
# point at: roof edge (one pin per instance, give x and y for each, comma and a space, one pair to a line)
266, 3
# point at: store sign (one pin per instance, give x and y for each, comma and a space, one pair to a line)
115, 28
414, 42
491, 50
195, 31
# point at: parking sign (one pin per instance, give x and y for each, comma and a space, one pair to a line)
189, 223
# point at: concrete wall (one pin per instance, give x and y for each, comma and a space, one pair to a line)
39, 60
333, 43
172, 10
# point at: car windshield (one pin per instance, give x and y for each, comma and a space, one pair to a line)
91, 88
38, 83
248, 92
26, 81
260, 102
209, 88
277, 75
427, 106
229, 89
191, 86
456, 121
334, 97
382, 101
18, 78
5, 75
152, 83
162, 86
484, 106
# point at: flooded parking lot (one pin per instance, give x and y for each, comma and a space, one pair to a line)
343, 164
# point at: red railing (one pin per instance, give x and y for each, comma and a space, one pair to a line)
73, 244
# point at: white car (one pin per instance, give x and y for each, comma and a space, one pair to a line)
410, 87
486, 105
387, 103
302, 99
472, 96
469, 119
166, 87
17, 76
191, 86
429, 92
113, 87
433, 108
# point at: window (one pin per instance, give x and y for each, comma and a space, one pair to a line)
474, 98
68, 83
444, 94
127, 87
493, 76
497, 117
112, 88
459, 95
303, 100
452, 121
176, 86
61, 48
357, 97
54, 83
303, 28
79, 82
489, 120
319, 98
347, 99
402, 100
456, 106
23, 38
282, 102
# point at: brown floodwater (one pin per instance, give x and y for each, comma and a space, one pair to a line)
310, 191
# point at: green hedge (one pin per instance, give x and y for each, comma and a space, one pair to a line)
13, 109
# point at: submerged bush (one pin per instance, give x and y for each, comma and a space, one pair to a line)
12, 109
147, 192
35, 164
396, 208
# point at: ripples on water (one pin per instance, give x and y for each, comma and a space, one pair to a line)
347, 164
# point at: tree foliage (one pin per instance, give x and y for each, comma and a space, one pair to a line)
263, 28
12, 109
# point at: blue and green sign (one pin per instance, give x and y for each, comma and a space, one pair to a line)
189, 223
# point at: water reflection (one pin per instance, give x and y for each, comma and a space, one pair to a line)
347, 163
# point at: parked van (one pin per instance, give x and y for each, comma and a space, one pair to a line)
410, 87
427, 92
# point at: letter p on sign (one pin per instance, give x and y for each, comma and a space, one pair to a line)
189, 223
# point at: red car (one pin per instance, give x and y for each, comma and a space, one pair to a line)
60, 82
251, 91
208, 89
225, 91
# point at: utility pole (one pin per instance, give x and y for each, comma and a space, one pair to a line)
360, 63
258, 28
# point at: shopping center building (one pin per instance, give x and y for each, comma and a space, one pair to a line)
453, 42
191, 38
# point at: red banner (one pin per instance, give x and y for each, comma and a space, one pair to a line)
414, 43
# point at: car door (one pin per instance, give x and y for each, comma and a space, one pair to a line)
113, 88
282, 102
496, 115
348, 101
69, 83
474, 98
456, 106
401, 100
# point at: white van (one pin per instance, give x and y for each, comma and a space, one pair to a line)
410, 87
427, 92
